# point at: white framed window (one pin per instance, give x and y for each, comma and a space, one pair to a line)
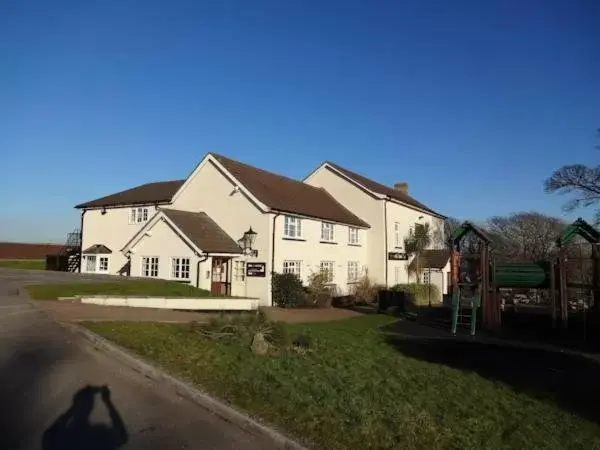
294, 267
353, 237
239, 270
327, 232
150, 266
426, 277
103, 264
180, 268
353, 271
397, 274
397, 242
90, 263
327, 268
292, 227
138, 215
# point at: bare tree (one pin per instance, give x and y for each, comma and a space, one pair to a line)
524, 236
451, 224
581, 181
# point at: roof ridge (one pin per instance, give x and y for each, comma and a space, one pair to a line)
285, 177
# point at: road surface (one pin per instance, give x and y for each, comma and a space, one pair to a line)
52, 397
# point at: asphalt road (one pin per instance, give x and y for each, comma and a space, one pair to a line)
51, 394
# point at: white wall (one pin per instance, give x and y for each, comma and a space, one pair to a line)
407, 218
311, 251
164, 244
210, 191
111, 229
362, 205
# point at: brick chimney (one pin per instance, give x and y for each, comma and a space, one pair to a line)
402, 187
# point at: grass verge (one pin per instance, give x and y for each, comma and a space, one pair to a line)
130, 287
29, 264
354, 389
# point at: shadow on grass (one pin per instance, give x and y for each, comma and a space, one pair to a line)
570, 381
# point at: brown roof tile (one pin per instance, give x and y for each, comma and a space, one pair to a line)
158, 192
287, 195
97, 249
202, 231
434, 259
20, 250
382, 189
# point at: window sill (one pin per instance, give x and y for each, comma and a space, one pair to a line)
354, 245
328, 242
353, 282
287, 238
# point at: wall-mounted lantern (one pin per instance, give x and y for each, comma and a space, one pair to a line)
247, 242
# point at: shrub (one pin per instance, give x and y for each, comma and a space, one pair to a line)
288, 291
365, 290
319, 292
420, 293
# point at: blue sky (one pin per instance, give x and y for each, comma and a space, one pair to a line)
474, 103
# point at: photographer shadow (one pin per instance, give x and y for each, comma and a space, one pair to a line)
73, 429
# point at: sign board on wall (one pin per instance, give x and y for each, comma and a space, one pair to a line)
397, 256
256, 269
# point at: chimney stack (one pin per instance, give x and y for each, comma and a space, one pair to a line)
402, 187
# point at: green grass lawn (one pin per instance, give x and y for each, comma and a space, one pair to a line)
129, 287
356, 389
30, 264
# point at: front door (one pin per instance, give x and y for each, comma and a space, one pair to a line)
220, 284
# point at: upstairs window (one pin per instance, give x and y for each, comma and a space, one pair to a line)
353, 236
138, 215
292, 227
397, 238
326, 232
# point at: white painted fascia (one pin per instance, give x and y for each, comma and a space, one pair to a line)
316, 219
146, 231
209, 158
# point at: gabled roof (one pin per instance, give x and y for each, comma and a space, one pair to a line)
381, 189
97, 249
434, 258
202, 231
286, 195
158, 192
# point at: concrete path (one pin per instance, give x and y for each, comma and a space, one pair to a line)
44, 372
66, 311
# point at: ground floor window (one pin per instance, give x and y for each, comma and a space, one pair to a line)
103, 264
180, 268
426, 277
149, 266
239, 270
353, 271
90, 263
397, 274
327, 269
293, 267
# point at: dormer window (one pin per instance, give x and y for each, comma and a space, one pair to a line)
138, 215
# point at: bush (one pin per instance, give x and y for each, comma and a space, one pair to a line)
420, 293
365, 291
319, 292
288, 291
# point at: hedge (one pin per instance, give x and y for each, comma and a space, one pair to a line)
421, 293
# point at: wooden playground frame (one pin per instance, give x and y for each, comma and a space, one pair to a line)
481, 288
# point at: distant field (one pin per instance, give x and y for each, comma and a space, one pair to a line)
30, 264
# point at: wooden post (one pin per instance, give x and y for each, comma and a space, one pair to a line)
562, 280
553, 292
